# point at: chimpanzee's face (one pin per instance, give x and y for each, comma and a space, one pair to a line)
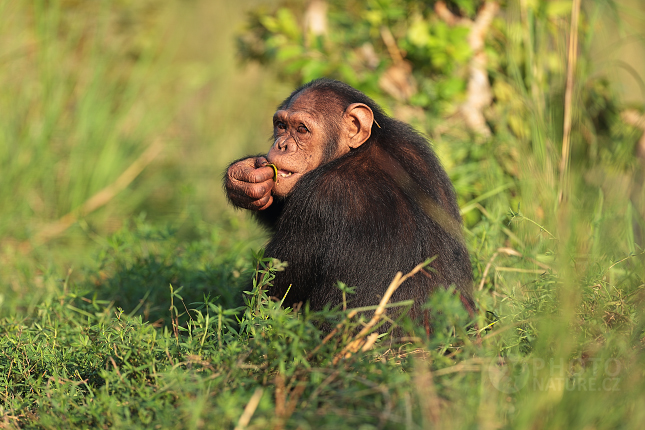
306, 137
299, 142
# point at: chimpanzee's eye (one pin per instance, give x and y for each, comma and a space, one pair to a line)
302, 129
281, 125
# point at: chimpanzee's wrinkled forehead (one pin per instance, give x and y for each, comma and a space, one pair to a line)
318, 101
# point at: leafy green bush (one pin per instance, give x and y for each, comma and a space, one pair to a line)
486, 85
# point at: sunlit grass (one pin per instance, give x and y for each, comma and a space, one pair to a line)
132, 320
90, 87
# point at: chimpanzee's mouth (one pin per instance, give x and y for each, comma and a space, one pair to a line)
284, 173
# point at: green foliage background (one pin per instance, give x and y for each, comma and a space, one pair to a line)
131, 315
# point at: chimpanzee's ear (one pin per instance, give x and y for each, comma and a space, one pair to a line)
358, 120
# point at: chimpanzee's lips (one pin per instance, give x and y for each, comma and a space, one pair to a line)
284, 173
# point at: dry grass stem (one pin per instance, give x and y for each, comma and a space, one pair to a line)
369, 342
427, 394
323, 384
473, 365
286, 399
280, 395
514, 253
249, 410
391, 45
95, 202
116, 368
397, 80
332, 334
516, 270
568, 96
358, 342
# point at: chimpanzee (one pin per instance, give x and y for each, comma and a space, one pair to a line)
357, 197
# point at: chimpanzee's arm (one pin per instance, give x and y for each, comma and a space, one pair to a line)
268, 217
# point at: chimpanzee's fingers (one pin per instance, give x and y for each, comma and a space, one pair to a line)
243, 201
261, 162
249, 195
267, 204
245, 173
261, 175
254, 191
240, 200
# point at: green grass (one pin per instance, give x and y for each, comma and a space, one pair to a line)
152, 339
144, 312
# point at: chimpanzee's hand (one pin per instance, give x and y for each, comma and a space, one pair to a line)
249, 183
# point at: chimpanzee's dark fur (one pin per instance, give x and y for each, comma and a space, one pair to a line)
381, 208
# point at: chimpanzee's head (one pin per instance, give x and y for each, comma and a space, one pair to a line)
317, 123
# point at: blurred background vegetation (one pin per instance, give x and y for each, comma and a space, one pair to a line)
118, 118
114, 110
142, 103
